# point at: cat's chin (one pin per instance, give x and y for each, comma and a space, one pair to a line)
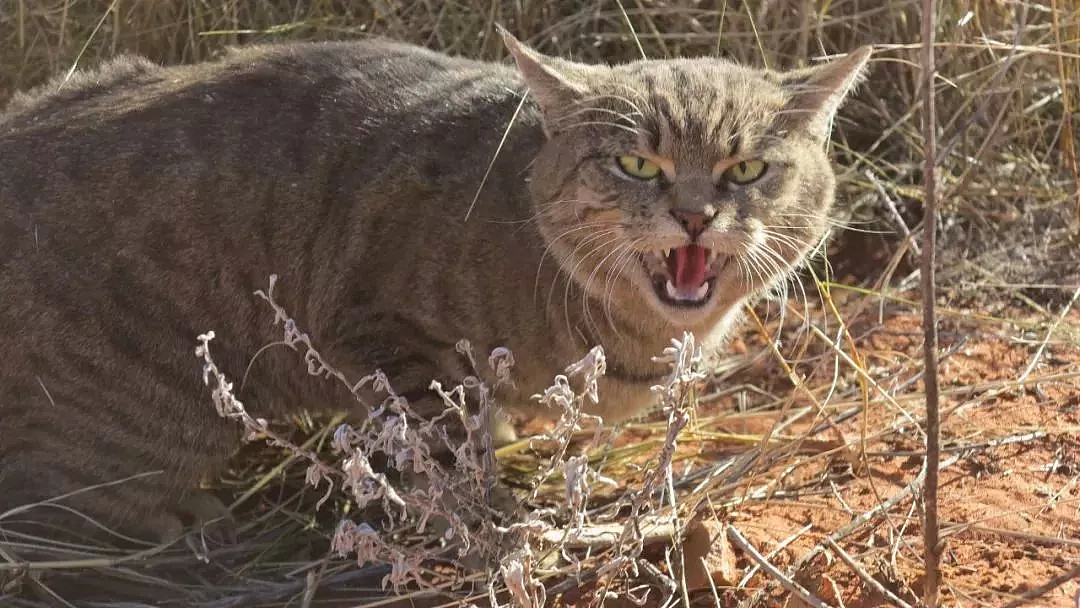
683, 315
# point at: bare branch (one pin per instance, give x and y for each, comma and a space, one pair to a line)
931, 532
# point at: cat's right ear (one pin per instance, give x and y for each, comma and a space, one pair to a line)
548, 78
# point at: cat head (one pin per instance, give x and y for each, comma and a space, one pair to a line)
681, 187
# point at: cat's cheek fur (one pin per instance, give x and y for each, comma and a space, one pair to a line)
595, 202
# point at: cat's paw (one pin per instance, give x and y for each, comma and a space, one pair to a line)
502, 430
210, 517
202, 520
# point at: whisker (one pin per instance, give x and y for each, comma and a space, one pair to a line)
795, 244
601, 123
621, 115
754, 262
542, 209
764, 266
586, 299
621, 262
573, 270
573, 252
633, 106
785, 270
831, 222
585, 296
815, 217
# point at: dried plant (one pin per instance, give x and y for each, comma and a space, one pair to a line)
408, 443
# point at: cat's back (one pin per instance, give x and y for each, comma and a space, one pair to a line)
131, 138
133, 177
141, 205
383, 73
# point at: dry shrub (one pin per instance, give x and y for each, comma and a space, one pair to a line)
407, 534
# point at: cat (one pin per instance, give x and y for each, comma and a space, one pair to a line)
406, 200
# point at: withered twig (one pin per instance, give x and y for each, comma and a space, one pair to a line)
1042, 346
865, 576
750, 572
740, 541
1046, 587
654, 529
931, 534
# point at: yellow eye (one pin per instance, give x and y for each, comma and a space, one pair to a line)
746, 171
636, 166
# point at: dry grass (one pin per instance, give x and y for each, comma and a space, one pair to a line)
835, 399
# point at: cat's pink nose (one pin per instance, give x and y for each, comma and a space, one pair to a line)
694, 222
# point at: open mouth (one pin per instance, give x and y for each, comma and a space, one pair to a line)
682, 276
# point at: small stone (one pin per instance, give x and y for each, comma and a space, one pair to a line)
708, 554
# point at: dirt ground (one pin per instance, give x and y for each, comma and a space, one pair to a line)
1009, 497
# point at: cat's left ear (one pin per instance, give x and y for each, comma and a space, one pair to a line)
551, 81
817, 92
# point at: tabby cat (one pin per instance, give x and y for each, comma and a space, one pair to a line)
406, 200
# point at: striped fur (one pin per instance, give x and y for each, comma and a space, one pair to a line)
141, 206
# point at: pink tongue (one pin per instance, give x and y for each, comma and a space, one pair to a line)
687, 267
